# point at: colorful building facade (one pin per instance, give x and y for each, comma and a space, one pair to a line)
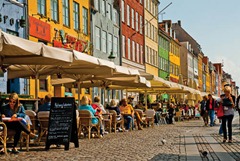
59, 23
163, 52
132, 29
151, 36
200, 72
13, 21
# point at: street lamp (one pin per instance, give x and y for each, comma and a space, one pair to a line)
111, 56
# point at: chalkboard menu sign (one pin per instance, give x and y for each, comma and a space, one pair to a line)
62, 128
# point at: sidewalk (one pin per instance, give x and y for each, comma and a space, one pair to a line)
207, 139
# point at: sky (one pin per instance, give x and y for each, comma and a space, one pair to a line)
214, 24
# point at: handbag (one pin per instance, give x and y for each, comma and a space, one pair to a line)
220, 112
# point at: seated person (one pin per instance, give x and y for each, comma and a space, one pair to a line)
113, 106
15, 110
98, 106
85, 106
128, 113
47, 104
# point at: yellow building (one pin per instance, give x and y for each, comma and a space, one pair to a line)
59, 23
174, 59
200, 71
151, 36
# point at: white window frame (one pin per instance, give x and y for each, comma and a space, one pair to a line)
110, 43
104, 41
133, 13
109, 11
103, 7
123, 46
133, 51
123, 11
141, 24
128, 15
137, 48
98, 38
115, 45
137, 21
129, 48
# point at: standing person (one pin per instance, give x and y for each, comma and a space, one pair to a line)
47, 104
204, 112
228, 105
170, 113
210, 109
238, 104
16, 110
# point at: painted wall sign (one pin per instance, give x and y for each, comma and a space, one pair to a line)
39, 29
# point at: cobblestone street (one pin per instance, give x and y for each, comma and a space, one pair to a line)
184, 141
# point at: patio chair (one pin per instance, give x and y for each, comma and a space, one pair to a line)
150, 117
33, 117
178, 116
3, 136
43, 118
107, 120
116, 121
85, 121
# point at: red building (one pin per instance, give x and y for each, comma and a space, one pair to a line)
132, 17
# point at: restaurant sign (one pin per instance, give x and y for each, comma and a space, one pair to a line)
39, 29
71, 42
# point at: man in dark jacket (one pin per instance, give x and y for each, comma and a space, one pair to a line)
204, 112
211, 103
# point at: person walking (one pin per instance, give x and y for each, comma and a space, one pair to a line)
210, 109
228, 106
204, 112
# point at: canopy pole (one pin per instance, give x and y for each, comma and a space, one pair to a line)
145, 99
79, 91
36, 91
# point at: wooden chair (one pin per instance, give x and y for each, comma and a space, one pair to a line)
107, 120
178, 116
3, 136
150, 117
33, 117
116, 121
43, 118
85, 121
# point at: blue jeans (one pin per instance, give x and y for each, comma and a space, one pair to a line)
129, 121
227, 120
211, 115
220, 129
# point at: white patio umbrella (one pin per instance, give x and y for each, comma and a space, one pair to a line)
34, 57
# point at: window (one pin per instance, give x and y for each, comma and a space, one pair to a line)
115, 45
123, 18
85, 21
137, 21
129, 49
153, 10
141, 1
146, 54
98, 38
141, 55
115, 16
109, 11
76, 15
54, 10
110, 43
128, 15
42, 7
43, 84
137, 48
146, 28
65, 12
104, 41
141, 24
104, 7
123, 46
133, 18
96, 4
133, 51
147, 3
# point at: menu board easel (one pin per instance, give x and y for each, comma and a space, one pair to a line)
62, 128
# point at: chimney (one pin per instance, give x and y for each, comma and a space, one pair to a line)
166, 27
179, 23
